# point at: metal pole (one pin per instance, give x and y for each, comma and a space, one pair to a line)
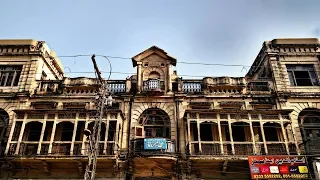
94, 137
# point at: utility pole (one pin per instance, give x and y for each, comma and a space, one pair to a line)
94, 137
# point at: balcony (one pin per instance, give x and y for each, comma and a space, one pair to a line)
258, 86
30, 149
238, 148
276, 149
243, 149
192, 86
153, 146
48, 87
153, 85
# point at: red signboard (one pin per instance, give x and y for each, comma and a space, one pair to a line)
278, 167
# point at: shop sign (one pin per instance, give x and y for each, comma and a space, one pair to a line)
155, 143
278, 167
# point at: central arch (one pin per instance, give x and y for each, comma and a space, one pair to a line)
309, 123
153, 123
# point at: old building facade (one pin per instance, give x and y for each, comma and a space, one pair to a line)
160, 125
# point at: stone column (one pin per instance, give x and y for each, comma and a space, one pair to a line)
126, 122
74, 133
106, 135
10, 135
21, 133
220, 134
53, 133
252, 135
83, 147
42, 132
198, 127
119, 130
169, 83
263, 135
181, 138
116, 141
230, 133
284, 134
189, 135
139, 76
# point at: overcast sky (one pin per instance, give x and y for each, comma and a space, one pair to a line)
207, 31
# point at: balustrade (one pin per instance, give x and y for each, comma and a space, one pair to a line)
117, 87
210, 148
28, 149
240, 148
44, 148
258, 86
153, 84
276, 149
48, 87
243, 149
191, 87
55, 87
61, 149
77, 148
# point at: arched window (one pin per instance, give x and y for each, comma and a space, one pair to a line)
154, 123
154, 75
154, 82
310, 126
309, 122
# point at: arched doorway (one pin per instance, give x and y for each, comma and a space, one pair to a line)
153, 123
309, 123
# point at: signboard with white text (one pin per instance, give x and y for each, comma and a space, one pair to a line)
278, 167
155, 143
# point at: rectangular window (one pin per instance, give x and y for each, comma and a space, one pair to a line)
10, 75
159, 132
148, 132
302, 75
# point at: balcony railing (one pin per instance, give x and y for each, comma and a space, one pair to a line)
140, 146
117, 86
276, 149
28, 149
48, 87
258, 86
192, 87
243, 149
238, 148
61, 149
54, 87
58, 149
210, 149
153, 85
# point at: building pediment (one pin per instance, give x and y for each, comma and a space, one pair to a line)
155, 52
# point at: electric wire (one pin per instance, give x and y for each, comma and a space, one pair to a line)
181, 62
